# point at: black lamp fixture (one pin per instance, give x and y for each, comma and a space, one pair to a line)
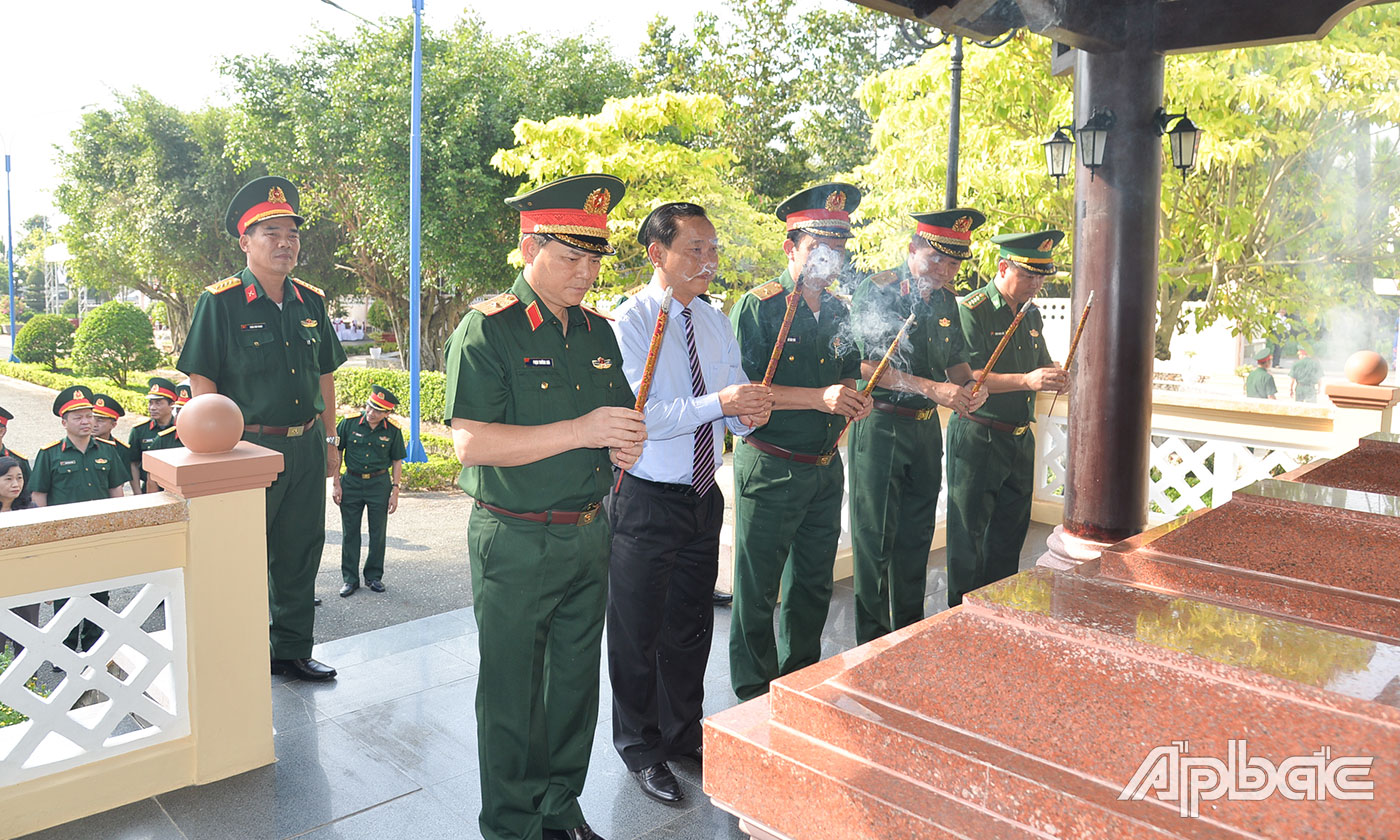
1092, 137
1184, 138
1059, 152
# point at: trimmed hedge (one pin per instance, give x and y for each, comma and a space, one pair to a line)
131, 398
352, 386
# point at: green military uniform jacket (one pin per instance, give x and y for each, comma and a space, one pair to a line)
510, 362
1307, 374
148, 437
368, 449
933, 344
1260, 384
268, 360
817, 354
985, 318
68, 475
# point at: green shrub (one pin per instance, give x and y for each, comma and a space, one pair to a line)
132, 397
70, 307
115, 339
44, 339
438, 473
352, 387
377, 317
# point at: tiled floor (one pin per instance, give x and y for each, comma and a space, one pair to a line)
389, 749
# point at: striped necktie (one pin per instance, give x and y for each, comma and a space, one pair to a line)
703, 467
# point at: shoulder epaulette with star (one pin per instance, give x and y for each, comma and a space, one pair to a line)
15, 454
884, 278
767, 290
974, 300
496, 305
306, 285
224, 285
394, 421
58, 442
592, 311
166, 431
108, 440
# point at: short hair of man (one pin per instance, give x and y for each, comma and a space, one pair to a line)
663, 223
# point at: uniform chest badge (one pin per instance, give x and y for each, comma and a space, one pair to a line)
944, 322
99, 460
308, 322
602, 364
1035, 333
384, 438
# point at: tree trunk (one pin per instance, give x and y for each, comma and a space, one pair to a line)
1169, 307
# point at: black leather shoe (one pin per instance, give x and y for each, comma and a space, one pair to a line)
375, 585
582, 832
722, 599
348, 589
659, 783
303, 669
696, 755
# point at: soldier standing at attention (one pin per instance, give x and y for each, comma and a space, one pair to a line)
1260, 383
156, 433
105, 414
788, 479
262, 338
897, 452
541, 411
374, 450
991, 452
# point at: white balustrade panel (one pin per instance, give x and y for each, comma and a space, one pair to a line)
139, 679
1190, 470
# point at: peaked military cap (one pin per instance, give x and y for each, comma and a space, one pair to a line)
572, 210
5, 417
950, 231
71, 398
161, 389
268, 197
104, 406
823, 210
182, 393
1030, 251
382, 398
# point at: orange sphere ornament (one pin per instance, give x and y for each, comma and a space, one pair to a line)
210, 424
1366, 367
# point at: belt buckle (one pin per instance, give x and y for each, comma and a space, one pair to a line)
365, 476
924, 414
1020, 430
823, 460
295, 431
589, 514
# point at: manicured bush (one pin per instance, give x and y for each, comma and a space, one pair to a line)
352, 387
132, 397
44, 339
115, 339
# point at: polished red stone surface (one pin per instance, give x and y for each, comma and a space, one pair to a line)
1374, 467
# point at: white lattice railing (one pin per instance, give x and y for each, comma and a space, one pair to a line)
127, 691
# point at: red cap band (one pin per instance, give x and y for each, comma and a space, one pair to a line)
106, 411
265, 210
381, 403
795, 220
577, 222
945, 232
73, 405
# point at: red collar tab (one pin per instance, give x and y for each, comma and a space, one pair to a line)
533, 313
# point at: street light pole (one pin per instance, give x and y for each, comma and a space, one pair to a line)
10, 255
416, 454
950, 183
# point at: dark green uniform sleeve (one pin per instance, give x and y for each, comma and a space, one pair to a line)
342, 431
119, 475
332, 354
974, 338
477, 383
874, 321
754, 346
204, 350
1043, 358
397, 450
42, 476
956, 351
849, 353
133, 445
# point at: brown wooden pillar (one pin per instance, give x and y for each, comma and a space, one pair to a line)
1115, 254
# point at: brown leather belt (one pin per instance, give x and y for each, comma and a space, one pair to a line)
997, 424
799, 457
551, 517
368, 475
902, 411
279, 431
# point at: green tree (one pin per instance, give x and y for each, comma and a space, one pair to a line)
115, 339
1267, 223
32, 284
642, 140
791, 76
335, 119
44, 339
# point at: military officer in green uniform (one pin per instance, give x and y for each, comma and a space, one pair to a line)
1260, 383
262, 338
991, 452
77, 468
373, 451
5, 418
156, 433
788, 479
896, 453
541, 411
1306, 374
182, 396
106, 411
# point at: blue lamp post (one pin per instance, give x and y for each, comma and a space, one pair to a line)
415, 206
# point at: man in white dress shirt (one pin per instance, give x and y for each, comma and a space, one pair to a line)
666, 515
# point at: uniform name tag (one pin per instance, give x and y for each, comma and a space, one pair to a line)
538, 362
792, 339
998, 333
67, 463
252, 326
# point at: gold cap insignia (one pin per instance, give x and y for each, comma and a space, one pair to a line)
99, 401
276, 196
944, 322
597, 202
963, 225
836, 201
1046, 245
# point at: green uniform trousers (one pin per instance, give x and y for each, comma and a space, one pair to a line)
990, 479
296, 535
787, 521
539, 593
896, 471
358, 495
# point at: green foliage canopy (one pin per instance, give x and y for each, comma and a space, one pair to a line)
44, 339
115, 339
